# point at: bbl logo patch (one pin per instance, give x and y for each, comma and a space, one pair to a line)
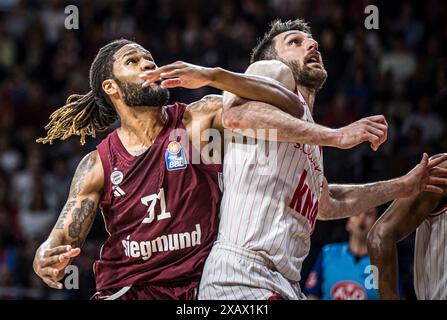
175, 156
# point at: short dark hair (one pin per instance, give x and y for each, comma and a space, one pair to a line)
265, 49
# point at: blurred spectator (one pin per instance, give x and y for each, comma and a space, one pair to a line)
10, 158
8, 291
53, 19
60, 180
339, 272
341, 113
9, 229
430, 126
411, 28
17, 22
35, 220
9, 238
399, 61
359, 92
367, 39
36, 199
119, 24
7, 51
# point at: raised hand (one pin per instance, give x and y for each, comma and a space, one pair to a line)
373, 129
425, 177
50, 264
179, 74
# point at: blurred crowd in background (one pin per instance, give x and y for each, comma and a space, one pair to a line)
399, 70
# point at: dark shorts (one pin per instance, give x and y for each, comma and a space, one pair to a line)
150, 292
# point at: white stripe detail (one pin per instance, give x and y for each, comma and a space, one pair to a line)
430, 276
118, 191
119, 293
255, 215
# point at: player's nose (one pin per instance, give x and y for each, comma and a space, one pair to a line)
147, 65
310, 44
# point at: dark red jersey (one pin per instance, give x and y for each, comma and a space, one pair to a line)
160, 210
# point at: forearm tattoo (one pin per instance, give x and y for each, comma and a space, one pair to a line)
79, 215
67, 208
78, 180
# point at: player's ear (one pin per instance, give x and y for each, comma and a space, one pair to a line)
110, 87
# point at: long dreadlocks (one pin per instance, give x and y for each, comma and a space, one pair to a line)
83, 115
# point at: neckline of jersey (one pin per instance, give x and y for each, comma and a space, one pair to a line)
129, 157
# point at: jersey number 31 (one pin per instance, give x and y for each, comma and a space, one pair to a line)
150, 201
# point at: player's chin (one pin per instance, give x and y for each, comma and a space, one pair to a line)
319, 71
316, 70
314, 65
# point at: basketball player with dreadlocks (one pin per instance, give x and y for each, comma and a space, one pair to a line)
160, 210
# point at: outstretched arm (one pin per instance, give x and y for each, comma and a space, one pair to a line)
401, 218
74, 222
341, 201
263, 98
241, 114
249, 86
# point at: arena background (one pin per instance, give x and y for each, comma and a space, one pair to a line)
398, 70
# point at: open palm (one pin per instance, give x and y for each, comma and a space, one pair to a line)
425, 177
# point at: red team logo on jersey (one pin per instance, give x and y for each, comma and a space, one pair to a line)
348, 290
304, 201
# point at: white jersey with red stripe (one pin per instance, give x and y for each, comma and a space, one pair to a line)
266, 211
430, 261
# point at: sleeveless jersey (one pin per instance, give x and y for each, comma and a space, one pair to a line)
161, 212
271, 209
430, 261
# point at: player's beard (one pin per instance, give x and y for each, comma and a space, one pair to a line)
307, 76
134, 95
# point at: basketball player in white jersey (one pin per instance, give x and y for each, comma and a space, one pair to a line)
427, 214
268, 214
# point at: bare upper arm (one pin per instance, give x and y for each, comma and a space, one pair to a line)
88, 177
404, 215
205, 116
86, 188
272, 69
208, 111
